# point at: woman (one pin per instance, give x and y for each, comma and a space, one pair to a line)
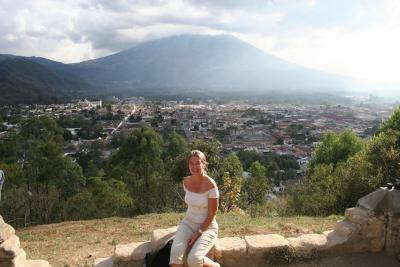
199, 229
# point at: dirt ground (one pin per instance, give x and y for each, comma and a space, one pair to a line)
351, 260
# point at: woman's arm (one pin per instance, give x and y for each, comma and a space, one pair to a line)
212, 211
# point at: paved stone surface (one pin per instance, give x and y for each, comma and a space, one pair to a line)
257, 244
132, 252
104, 262
160, 237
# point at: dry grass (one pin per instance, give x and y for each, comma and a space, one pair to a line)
77, 243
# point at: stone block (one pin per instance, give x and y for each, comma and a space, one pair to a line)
357, 215
10, 248
230, 247
261, 244
104, 262
308, 242
160, 237
372, 230
20, 259
6, 231
6, 263
135, 251
334, 238
294, 242
346, 228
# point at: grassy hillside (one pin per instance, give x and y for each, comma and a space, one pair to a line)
77, 243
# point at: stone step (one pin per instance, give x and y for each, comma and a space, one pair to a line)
104, 262
37, 263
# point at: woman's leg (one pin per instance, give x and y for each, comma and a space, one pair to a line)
180, 244
197, 255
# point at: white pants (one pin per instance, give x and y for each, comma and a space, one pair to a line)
199, 249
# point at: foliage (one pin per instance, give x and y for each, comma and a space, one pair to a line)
317, 194
139, 162
336, 148
177, 145
231, 183
344, 169
257, 185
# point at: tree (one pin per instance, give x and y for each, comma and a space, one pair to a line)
247, 157
140, 155
13, 205
101, 198
336, 148
177, 145
257, 185
317, 195
231, 182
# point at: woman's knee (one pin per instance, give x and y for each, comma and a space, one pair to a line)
195, 260
177, 252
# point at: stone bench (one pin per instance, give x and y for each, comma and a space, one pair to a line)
360, 231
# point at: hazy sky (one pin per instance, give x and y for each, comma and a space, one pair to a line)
359, 38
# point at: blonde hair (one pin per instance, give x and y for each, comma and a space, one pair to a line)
200, 155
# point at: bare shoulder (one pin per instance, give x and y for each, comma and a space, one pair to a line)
211, 183
186, 180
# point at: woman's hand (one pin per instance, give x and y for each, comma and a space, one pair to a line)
193, 238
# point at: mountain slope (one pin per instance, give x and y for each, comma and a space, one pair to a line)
24, 81
202, 62
174, 65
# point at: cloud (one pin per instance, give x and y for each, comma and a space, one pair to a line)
334, 35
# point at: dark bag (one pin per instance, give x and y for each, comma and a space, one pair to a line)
159, 258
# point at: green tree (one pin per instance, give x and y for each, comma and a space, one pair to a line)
101, 198
336, 148
257, 185
177, 145
317, 195
13, 205
140, 156
231, 182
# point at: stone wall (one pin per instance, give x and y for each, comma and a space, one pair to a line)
11, 254
362, 230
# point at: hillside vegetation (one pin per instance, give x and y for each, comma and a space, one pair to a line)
144, 175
